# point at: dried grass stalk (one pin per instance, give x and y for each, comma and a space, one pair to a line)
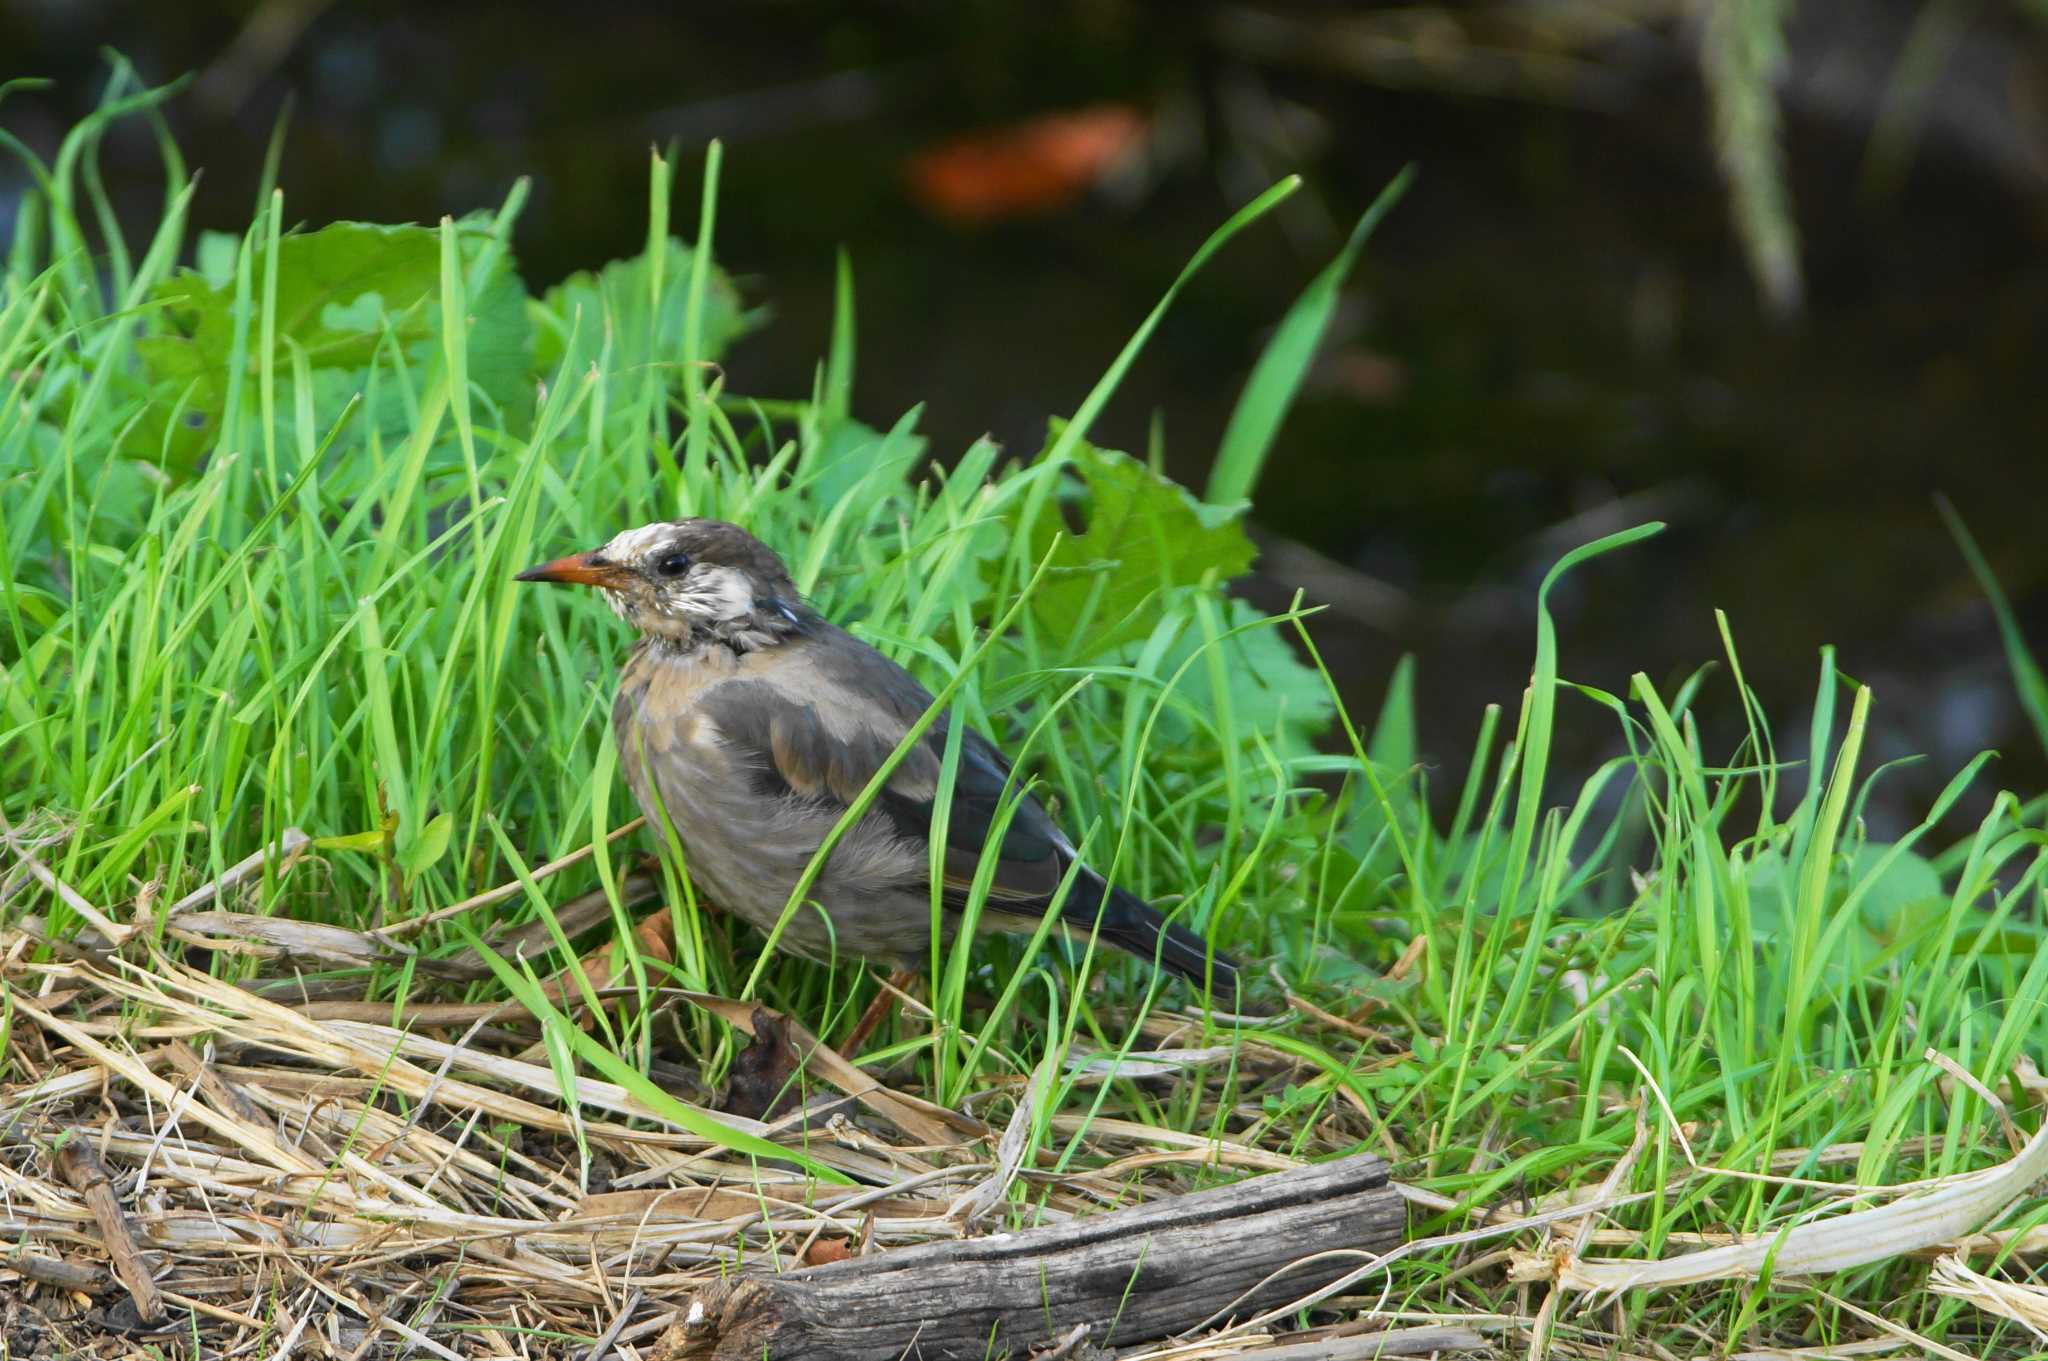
1913, 1224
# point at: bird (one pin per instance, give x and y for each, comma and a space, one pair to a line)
750, 723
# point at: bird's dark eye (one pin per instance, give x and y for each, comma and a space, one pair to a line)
673, 564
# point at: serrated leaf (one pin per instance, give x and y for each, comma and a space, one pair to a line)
1142, 534
617, 301
343, 292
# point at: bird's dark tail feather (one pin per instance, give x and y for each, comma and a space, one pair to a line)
1138, 928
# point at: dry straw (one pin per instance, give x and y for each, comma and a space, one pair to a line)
300, 1180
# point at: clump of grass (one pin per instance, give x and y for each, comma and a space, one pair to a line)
262, 515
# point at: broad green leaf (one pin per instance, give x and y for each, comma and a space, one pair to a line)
1141, 535
1908, 898
344, 293
1908, 894
854, 452
426, 849
613, 305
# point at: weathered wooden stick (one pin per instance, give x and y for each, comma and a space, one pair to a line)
88, 1176
1130, 1275
66, 1275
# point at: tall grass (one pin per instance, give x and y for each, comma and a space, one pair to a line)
260, 527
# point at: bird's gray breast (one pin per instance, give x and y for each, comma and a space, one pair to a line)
746, 846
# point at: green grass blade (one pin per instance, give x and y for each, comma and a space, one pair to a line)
1276, 379
2027, 678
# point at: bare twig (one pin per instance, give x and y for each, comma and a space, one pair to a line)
88, 1176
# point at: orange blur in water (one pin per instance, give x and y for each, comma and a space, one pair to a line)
1027, 169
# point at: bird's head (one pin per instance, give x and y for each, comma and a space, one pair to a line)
689, 581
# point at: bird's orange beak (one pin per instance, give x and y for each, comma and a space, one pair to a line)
578, 569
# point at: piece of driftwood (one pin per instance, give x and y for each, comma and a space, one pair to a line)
88, 1176
1130, 1275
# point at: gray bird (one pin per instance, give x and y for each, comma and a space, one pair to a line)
753, 722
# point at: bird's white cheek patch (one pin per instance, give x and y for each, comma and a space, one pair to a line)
719, 593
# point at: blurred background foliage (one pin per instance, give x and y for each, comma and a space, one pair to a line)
1772, 273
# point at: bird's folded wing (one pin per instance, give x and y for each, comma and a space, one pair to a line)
812, 738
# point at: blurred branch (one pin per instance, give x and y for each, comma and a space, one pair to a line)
1344, 589
273, 28
1500, 52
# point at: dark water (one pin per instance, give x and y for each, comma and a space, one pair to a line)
1554, 336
